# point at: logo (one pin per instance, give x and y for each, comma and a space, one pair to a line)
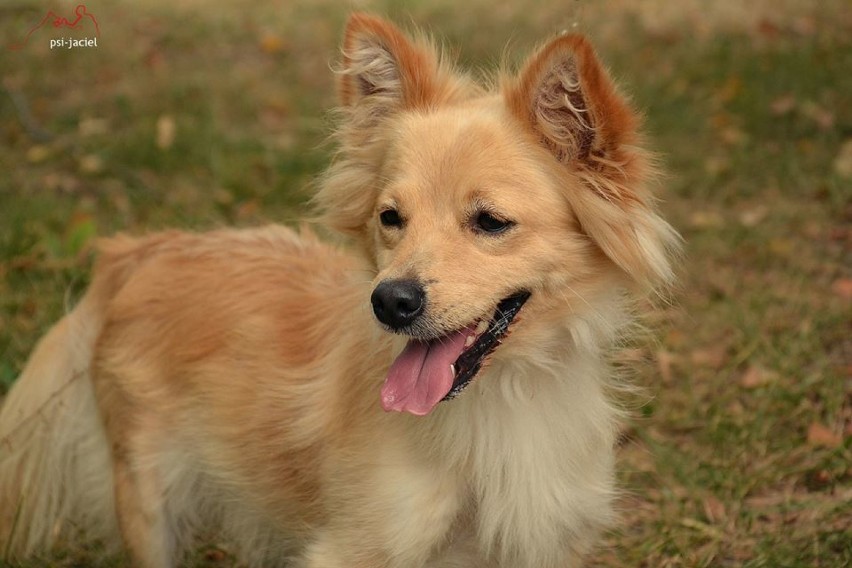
83, 19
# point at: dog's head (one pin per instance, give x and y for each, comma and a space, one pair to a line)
476, 205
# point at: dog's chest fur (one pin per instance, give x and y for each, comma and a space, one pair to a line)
533, 446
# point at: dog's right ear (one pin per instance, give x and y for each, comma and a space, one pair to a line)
383, 72
385, 69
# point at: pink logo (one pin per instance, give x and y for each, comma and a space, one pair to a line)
59, 22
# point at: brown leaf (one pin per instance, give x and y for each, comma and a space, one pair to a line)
38, 153
783, 105
92, 127
154, 59
805, 25
732, 87
821, 435
706, 220
823, 117
272, 43
753, 216
843, 288
733, 136
166, 129
714, 510
843, 160
781, 246
91, 164
664, 363
713, 357
716, 165
247, 209
675, 338
756, 376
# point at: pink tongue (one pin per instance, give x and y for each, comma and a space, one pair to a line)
421, 375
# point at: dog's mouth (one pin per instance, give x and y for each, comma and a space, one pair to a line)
427, 372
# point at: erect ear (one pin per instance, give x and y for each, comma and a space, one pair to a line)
383, 66
564, 95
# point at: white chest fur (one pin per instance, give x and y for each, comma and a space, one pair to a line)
534, 444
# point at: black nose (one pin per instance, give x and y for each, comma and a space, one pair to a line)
397, 303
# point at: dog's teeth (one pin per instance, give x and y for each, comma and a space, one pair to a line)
453, 369
469, 341
483, 325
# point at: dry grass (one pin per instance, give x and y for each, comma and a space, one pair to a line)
740, 453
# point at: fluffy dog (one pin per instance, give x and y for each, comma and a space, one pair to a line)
432, 395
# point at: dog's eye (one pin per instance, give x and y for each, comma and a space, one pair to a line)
390, 218
488, 223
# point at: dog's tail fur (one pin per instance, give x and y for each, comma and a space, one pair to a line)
55, 467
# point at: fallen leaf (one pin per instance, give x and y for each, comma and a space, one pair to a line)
843, 160
166, 129
706, 220
756, 376
805, 25
92, 127
664, 363
272, 43
768, 29
716, 165
713, 357
154, 59
215, 555
733, 136
783, 105
752, 217
821, 435
247, 209
781, 246
223, 197
730, 89
91, 164
806, 146
843, 288
714, 510
823, 117
736, 408
818, 480
38, 153
675, 338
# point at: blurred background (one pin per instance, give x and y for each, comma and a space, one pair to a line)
198, 114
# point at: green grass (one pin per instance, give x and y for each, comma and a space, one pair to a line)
719, 466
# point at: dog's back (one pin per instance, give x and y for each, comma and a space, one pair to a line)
173, 414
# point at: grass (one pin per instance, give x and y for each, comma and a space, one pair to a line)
740, 455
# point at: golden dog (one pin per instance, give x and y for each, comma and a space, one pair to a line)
294, 397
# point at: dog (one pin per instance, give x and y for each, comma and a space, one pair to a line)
430, 390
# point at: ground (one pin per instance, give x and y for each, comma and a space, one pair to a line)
197, 115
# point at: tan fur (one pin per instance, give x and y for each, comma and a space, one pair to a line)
229, 381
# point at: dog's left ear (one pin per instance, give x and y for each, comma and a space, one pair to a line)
564, 95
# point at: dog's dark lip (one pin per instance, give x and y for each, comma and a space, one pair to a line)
472, 358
